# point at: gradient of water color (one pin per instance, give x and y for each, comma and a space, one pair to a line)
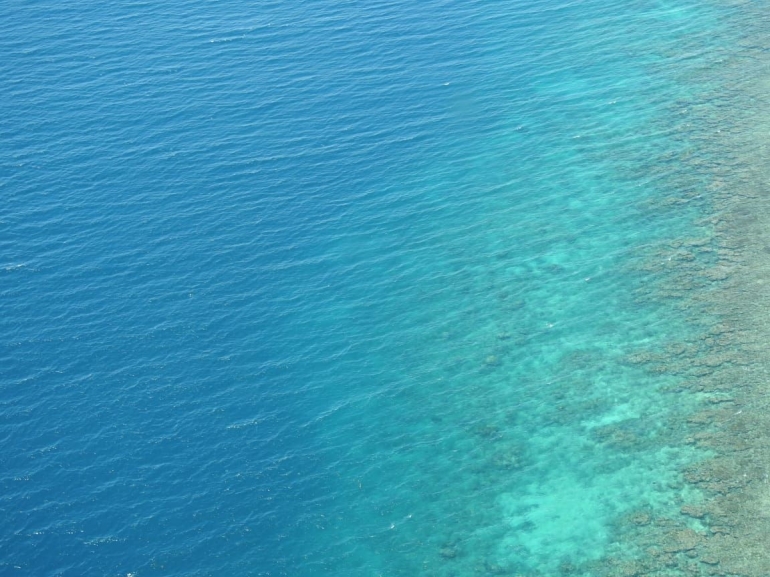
340, 288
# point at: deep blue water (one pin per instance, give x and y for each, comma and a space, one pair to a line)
335, 288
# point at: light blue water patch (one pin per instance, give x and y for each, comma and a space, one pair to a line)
306, 289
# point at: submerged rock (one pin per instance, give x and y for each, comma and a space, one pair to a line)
693, 511
681, 540
448, 552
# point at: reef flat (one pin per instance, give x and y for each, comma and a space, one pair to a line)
721, 280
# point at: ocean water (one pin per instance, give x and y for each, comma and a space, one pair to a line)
359, 289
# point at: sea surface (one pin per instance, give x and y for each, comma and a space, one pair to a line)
357, 288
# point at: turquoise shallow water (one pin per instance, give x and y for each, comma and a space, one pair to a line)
342, 288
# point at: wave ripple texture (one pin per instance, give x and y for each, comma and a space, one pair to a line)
352, 289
